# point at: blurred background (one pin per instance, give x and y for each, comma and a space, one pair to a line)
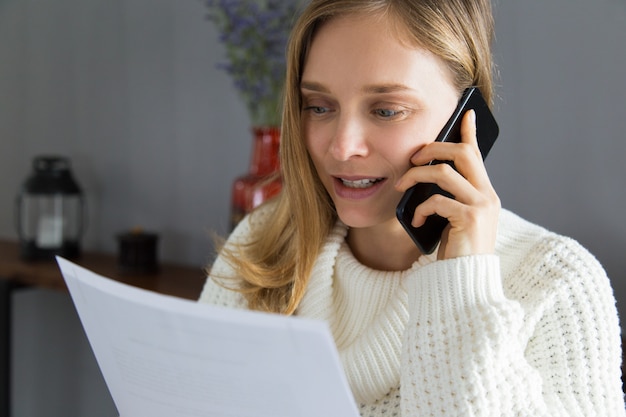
129, 91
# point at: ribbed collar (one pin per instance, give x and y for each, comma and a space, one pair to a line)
366, 310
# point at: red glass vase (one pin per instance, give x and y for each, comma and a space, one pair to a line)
262, 181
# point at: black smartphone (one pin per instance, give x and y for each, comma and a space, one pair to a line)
427, 236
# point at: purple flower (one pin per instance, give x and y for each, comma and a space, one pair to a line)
255, 33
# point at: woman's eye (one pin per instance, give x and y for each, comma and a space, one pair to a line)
387, 113
316, 109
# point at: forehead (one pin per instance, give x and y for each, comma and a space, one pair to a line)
365, 45
392, 25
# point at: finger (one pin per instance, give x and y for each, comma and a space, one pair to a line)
462, 217
471, 164
468, 128
435, 204
465, 156
446, 151
446, 177
424, 174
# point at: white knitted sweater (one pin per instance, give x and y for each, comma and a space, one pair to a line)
530, 331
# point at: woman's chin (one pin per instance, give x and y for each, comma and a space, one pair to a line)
361, 220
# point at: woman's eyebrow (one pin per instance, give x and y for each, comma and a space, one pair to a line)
385, 88
313, 86
368, 89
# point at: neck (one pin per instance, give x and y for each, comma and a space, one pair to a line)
384, 247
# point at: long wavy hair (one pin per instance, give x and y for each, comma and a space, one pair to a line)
274, 264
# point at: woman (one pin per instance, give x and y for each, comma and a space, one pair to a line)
505, 319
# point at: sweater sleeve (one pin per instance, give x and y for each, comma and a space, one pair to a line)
471, 350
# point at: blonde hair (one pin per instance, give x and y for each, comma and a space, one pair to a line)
273, 266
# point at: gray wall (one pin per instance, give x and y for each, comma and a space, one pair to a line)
128, 90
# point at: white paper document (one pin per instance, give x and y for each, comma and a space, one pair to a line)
163, 356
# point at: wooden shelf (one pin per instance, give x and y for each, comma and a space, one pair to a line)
177, 280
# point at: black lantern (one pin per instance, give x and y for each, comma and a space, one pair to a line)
50, 211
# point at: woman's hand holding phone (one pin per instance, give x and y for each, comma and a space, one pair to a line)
473, 212
448, 195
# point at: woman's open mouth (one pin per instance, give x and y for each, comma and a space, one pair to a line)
357, 189
365, 183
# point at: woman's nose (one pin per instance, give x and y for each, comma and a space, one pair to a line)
349, 140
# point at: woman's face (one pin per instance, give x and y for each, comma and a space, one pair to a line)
370, 102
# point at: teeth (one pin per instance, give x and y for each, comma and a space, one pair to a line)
360, 183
